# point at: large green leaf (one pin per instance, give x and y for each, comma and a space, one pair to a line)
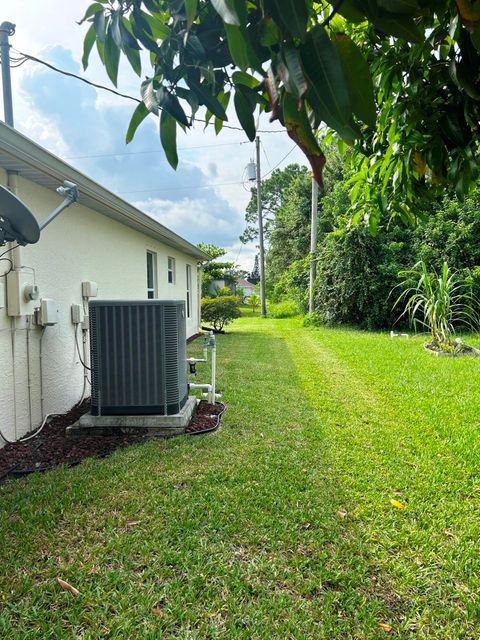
226, 10
240, 48
99, 23
126, 36
115, 28
133, 56
88, 45
170, 103
130, 46
190, 11
292, 14
239, 77
138, 116
407, 7
206, 97
269, 32
359, 80
400, 27
243, 108
94, 8
224, 99
350, 12
168, 137
328, 92
141, 29
189, 96
112, 56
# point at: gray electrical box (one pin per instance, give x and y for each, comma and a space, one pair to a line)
138, 357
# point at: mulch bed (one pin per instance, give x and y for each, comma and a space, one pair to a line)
206, 418
52, 447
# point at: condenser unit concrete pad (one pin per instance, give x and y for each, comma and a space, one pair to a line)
173, 425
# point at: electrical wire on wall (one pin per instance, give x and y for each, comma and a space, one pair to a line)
2, 259
86, 368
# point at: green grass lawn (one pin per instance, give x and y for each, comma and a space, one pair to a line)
280, 525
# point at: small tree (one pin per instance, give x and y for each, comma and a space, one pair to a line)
220, 311
254, 302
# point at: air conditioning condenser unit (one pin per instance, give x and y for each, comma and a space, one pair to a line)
138, 357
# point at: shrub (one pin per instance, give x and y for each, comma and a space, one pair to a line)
220, 311
293, 284
286, 309
313, 320
356, 273
254, 301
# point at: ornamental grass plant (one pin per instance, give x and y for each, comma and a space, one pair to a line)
439, 302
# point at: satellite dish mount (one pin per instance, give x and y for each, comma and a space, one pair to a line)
17, 222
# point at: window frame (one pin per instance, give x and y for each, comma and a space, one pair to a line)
171, 269
188, 274
152, 291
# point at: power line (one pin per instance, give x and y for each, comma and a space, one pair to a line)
265, 153
26, 56
199, 186
279, 162
135, 153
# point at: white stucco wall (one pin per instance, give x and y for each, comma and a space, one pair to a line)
79, 245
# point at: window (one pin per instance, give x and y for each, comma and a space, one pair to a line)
189, 290
171, 270
151, 275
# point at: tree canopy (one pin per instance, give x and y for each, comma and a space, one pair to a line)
396, 80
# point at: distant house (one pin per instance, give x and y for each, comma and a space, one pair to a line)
245, 288
100, 243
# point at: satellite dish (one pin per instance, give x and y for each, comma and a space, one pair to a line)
17, 222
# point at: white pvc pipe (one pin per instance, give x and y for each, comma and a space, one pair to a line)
208, 387
214, 366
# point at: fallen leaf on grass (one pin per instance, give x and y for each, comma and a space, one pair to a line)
157, 611
397, 504
68, 587
448, 533
341, 514
384, 627
132, 523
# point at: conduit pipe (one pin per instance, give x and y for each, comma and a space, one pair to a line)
16, 255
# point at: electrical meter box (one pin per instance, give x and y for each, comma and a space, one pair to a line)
22, 293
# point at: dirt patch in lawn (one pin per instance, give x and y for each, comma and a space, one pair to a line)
52, 447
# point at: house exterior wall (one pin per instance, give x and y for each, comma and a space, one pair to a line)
77, 246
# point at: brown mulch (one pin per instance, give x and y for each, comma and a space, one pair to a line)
52, 447
206, 418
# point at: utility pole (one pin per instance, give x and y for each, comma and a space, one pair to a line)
7, 29
263, 305
313, 244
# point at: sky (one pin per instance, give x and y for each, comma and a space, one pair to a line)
204, 200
